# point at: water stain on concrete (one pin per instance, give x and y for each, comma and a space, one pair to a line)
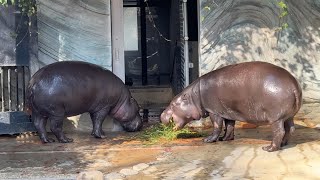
243, 158
125, 158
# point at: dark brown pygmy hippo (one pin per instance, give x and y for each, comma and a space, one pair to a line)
255, 92
70, 88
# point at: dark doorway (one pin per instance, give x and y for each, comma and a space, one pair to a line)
147, 45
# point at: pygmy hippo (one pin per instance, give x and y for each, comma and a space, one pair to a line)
69, 88
255, 92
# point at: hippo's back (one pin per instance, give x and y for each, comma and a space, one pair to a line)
74, 85
70, 69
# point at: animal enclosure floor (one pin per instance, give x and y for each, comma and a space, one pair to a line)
120, 156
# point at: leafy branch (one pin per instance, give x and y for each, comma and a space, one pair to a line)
283, 13
25, 8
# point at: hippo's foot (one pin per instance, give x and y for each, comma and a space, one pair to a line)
101, 132
226, 138
62, 137
98, 134
66, 140
47, 140
271, 148
210, 139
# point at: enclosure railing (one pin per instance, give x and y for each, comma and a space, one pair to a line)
13, 86
13, 83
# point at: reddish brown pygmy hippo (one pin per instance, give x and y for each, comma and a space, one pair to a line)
70, 88
255, 92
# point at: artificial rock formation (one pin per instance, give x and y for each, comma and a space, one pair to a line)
234, 31
74, 30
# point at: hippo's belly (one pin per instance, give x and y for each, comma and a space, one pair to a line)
257, 106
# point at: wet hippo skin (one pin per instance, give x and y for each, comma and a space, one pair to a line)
69, 88
256, 92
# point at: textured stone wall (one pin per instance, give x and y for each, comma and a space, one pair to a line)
234, 31
74, 30
7, 40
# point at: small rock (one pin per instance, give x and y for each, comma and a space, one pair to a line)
128, 172
317, 126
150, 170
90, 175
140, 166
114, 176
161, 158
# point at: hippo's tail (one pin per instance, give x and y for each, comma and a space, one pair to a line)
298, 98
29, 99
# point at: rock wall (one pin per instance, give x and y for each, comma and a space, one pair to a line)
249, 30
74, 30
7, 39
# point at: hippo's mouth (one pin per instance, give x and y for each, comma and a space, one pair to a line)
175, 126
170, 119
178, 126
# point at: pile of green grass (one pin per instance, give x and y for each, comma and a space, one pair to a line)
160, 132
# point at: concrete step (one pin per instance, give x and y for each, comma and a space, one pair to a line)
152, 100
152, 97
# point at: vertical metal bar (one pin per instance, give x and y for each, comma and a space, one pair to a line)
2, 89
186, 45
117, 30
9, 89
17, 87
23, 86
144, 60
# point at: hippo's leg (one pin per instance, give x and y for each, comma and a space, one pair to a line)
228, 130
289, 129
40, 124
56, 123
278, 134
97, 120
217, 122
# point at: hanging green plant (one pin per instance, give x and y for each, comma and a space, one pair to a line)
283, 13
27, 7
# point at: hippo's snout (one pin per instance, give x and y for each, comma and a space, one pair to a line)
134, 125
165, 116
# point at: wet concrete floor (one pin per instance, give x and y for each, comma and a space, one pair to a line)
121, 156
